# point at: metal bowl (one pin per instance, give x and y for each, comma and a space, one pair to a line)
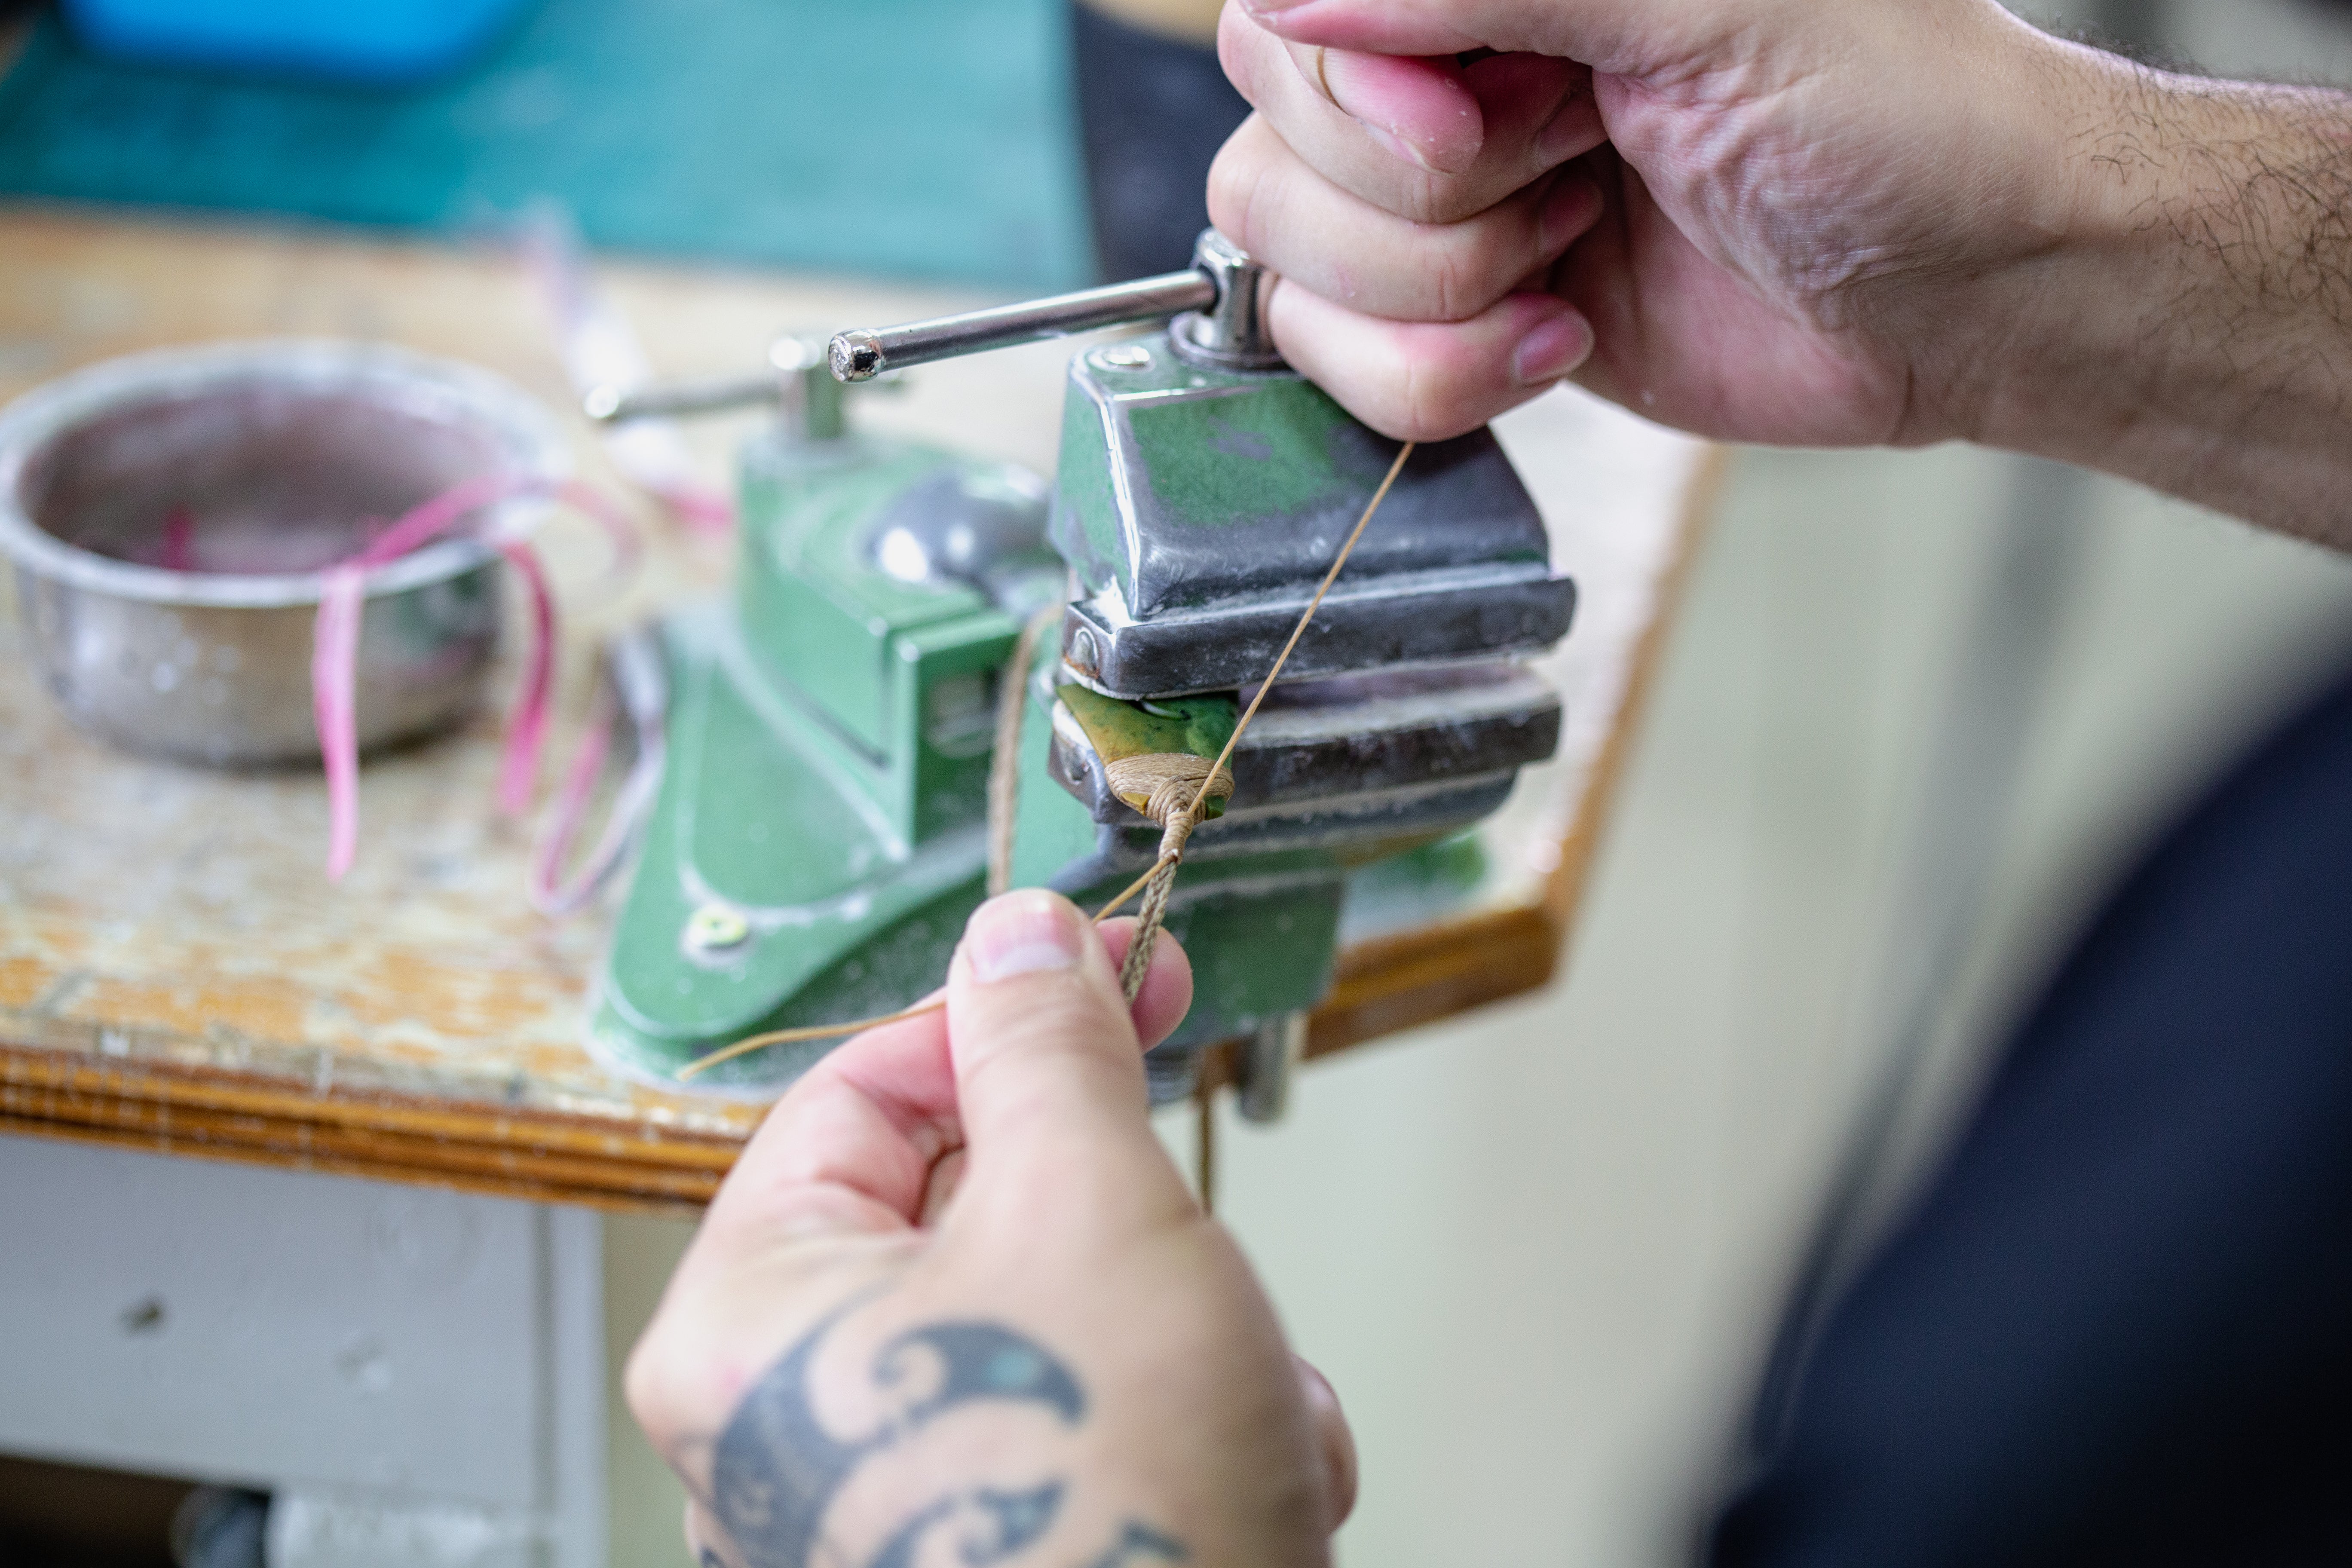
170, 514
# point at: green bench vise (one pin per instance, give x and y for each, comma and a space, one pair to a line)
820, 832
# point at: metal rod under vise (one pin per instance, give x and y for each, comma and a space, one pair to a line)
611, 406
1222, 302
794, 380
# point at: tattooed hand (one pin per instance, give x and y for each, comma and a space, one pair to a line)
954, 1306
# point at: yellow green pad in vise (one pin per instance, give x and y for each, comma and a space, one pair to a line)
1193, 726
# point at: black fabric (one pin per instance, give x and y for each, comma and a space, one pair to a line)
1154, 112
2117, 1326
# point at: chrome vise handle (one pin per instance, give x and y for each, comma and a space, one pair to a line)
1218, 303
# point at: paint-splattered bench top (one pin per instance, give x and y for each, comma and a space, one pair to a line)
177, 973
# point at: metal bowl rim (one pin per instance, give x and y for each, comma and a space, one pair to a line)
518, 425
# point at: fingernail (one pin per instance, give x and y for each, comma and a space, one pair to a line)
1021, 933
1552, 350
1265, 7
1340, 80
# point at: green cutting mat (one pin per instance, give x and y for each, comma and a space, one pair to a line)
921, 138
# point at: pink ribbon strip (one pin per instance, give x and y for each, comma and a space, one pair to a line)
526, 730
635, 689
335, 650
550, 893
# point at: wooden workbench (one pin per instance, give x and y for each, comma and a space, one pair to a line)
177, 973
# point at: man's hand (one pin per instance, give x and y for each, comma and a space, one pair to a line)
955, 1306
1731, 203
1825, 221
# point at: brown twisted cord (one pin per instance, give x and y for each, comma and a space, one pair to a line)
1004, 763
1178, 828
1173, 835
1155, 883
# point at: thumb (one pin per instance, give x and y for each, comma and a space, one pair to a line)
1049, 1075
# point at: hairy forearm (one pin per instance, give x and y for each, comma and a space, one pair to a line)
2193, 330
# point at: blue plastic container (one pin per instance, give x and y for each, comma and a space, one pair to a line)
386, 42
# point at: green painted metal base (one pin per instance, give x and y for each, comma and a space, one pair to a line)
765, 834
818, 841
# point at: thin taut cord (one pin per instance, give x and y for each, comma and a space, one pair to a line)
1005, 762
1158, 881
1147, 932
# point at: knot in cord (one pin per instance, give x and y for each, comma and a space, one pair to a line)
1174, 789
1164, 786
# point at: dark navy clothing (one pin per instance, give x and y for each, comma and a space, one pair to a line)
2117, 1325
1152, 112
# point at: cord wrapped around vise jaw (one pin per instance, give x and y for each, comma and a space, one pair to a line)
1174, 789
1163, 786
1165, 759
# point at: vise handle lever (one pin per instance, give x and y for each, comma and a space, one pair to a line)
1220, 302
